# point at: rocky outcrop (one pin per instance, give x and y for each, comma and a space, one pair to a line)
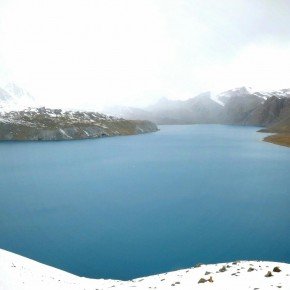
48, 124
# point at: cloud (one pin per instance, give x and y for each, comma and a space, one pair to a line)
92, 53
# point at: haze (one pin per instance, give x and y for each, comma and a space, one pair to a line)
90, 54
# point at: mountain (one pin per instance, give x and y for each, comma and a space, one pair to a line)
276, 116
238, 104
269, 112
246, 91
233, 93
203, 109
12, 97
55, 124
284, 93
129, 113
4, 97
200, 109
266, 109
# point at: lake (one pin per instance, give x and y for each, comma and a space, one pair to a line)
126, 207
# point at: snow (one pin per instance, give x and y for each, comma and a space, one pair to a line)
238, 92
65, 134
218, 101
17, 98
19, 273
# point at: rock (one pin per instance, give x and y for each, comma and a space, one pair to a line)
251, 269
210, 279
202, 280
198, 265
269, 274
207, 273
223, 269
276, 269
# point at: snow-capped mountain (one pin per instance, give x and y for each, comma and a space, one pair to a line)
284, 93
21, 118
14, 98
200, 109
4, 97
239, 106
246, 91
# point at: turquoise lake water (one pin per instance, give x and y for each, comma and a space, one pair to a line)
126, 207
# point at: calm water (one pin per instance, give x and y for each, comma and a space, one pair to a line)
125, 207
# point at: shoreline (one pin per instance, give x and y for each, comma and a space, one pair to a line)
278, 139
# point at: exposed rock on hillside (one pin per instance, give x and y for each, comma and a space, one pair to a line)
238, 109
48, 124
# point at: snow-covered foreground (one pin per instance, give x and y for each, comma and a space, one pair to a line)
17, 272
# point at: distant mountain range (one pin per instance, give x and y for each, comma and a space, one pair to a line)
240, 106
201, 109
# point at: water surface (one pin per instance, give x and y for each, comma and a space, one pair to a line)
126, 207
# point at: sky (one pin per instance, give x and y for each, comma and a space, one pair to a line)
91, 54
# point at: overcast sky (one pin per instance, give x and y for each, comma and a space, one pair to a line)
93, 53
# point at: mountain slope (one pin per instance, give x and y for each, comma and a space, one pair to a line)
48, 124
19, 273
201, 109
12, 97
280, 125
240, 106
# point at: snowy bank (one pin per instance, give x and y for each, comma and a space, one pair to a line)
18, 273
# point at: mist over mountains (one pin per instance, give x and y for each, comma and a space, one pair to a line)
240, 106
13, 97
21, 118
